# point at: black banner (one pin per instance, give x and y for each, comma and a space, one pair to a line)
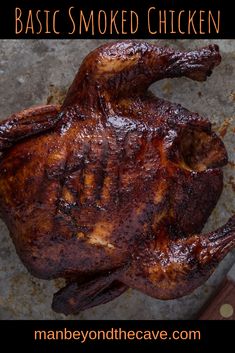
107, 336
120, 19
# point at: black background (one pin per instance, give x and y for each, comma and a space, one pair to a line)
20, 335
7, 16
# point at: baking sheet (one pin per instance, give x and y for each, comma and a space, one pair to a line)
31, 71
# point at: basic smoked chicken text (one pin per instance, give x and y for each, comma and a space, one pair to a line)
121, 22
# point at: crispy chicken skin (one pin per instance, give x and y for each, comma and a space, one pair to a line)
112, 189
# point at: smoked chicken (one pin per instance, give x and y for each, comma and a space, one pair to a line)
112, 189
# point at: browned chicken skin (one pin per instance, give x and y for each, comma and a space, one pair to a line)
112, 189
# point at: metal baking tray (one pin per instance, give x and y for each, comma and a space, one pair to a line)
36, 71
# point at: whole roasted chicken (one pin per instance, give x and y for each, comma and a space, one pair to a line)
112, 189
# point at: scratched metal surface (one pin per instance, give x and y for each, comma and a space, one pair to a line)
33, 70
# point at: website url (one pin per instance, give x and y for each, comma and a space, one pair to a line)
116, 334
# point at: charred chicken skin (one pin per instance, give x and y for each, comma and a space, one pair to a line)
112, 189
